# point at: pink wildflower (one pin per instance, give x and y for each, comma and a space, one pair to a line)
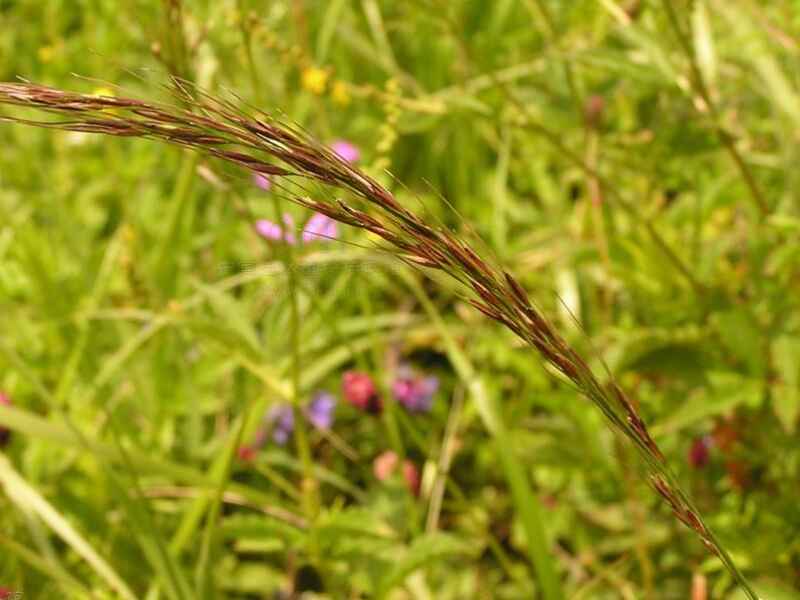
385, 465
320, 227
346, 151
262, 181
273, 231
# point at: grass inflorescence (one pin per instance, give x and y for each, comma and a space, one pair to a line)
264, 145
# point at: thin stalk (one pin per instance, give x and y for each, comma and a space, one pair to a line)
446, 452
309, 487
181, 197
526, 503
699, 84
388, 416
163, 562
248, 48
595, 202
555, 140
531, 514
203, 572
552, 36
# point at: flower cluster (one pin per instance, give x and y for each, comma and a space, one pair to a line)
278, 423
414, 392
319, 227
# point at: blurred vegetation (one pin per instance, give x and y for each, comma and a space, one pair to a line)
633, 163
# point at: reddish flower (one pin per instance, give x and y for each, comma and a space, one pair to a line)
385, 465
6, 594
411, 475
593, 111
360, 391
738, 472
247, 453
318, 228
725, 435
699, 452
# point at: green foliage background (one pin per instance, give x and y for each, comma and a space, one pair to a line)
637, 172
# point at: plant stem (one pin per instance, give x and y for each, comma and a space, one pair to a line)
699, 84
604, 184
526, 503
309, 485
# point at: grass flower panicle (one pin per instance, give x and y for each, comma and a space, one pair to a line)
264, 145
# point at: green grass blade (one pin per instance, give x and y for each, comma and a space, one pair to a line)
24, 495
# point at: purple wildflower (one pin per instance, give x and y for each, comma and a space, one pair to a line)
273, 231
281, 417
262, 181
346, 151
320, 410
414, 392
320, 227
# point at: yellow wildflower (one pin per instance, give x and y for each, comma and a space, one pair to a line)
315, 80
340, 93
46, 53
